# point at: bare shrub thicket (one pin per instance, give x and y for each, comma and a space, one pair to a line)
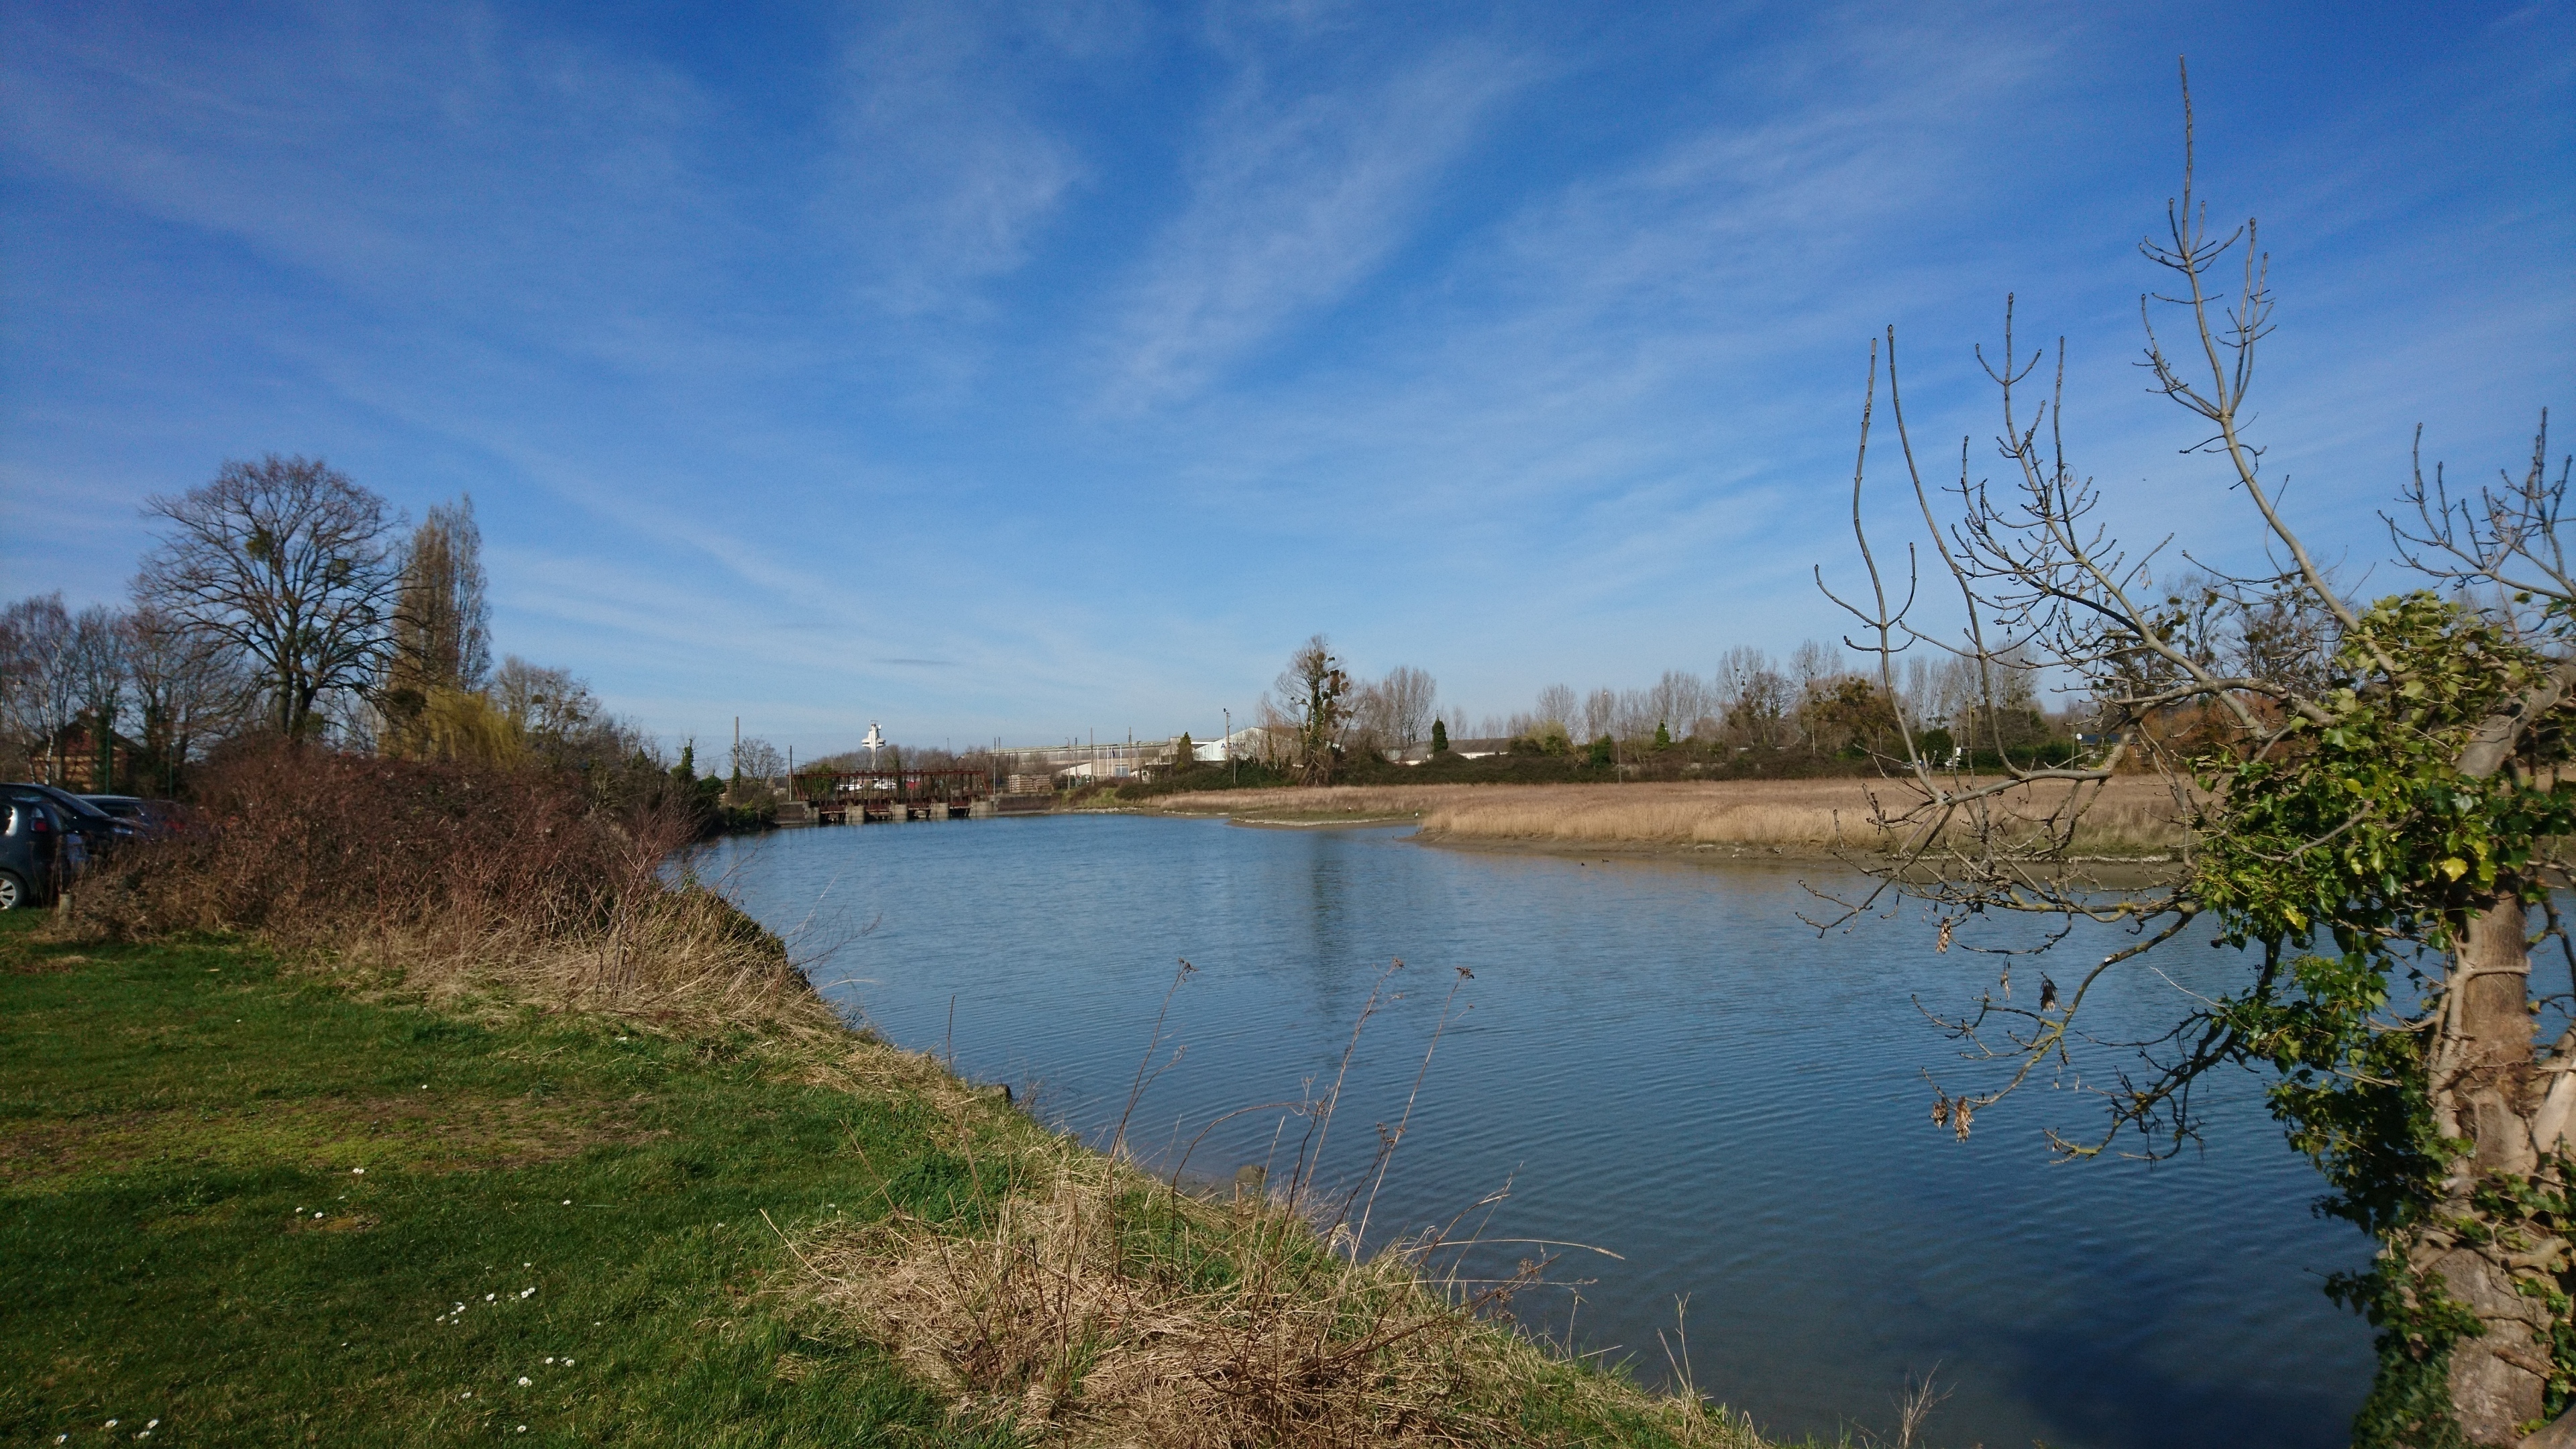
459, 876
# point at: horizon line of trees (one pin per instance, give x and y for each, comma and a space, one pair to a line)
1815, 701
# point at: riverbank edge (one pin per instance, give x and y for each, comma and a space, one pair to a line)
805, 1041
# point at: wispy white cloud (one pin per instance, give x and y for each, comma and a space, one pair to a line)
1295, 199
940, 175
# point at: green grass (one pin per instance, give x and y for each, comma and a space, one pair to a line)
173, 1118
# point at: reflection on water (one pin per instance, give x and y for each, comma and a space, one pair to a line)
1660, 1060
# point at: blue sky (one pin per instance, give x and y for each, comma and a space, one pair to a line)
1025, 370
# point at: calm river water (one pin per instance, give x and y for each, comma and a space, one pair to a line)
1658, 1059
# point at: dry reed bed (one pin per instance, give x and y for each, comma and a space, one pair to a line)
2131, 816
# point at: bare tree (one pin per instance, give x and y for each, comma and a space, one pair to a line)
99, 648
187, 684
758, 760
1408, 697
1678, 700
1369, 728
1600, 712
1754, 698
40, 685
1815, 659
2393, 797
1558, 706
288, 561
543, 702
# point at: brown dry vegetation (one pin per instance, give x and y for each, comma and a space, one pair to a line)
1096, 1306
2131, 817
456, 880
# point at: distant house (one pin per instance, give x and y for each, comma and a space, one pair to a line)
71, 762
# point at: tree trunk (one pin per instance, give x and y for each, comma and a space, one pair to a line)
2485, 1088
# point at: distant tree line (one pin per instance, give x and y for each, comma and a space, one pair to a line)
1814, 712
1815, 704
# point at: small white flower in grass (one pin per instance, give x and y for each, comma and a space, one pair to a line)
524, 1381
491, 1297
523, 1428
524, 1292
358, 1171
567, 1363
550, 1358
111, 1423
567, 1202
155, 1424
469, 1393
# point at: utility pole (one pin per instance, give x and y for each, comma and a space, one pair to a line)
1228, 747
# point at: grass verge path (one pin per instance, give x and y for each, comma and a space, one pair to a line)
242, 1206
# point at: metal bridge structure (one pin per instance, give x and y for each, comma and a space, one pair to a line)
892, 796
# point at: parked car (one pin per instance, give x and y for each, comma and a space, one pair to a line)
38, 849
151, 819
98, 829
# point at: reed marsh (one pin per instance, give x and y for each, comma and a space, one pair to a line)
2133, 817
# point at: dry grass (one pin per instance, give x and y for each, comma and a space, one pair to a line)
2132, 816
1096, 1306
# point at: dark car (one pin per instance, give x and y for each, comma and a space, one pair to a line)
97, 829
150, 818
38, 849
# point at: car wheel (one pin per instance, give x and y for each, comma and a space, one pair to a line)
13, 892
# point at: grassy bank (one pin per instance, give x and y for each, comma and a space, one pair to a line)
262, 1206
252, 1199
2134, 817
